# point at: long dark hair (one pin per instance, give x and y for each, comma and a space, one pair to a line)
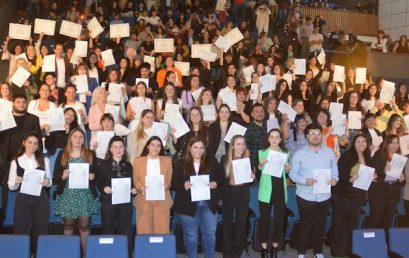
165, 98
74, 124
151, 139
202, 127
38, 154
281, 145
204, 164
109, 155
367, 151
385, 146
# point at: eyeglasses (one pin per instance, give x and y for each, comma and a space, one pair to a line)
316, 133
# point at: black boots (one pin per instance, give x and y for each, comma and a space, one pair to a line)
273, 252
265, 253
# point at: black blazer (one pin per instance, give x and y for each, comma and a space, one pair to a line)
56, 139
105, 174
379, 163
214, 134
58, 172
182, 202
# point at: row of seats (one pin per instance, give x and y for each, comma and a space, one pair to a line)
98, 246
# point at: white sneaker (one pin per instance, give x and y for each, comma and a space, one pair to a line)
319, 256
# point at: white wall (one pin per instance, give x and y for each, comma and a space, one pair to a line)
394, 17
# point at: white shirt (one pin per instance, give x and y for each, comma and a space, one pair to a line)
196, 165
61, 72
26, 163
42, 115
316, 37
153, 167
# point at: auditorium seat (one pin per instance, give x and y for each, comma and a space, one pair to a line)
107, 246
53, 246
369, 243
398, 242
147, 246
14, 246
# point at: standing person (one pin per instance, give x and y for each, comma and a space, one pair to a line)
313, 207
115, 166
235, 201
75, 205
202, 213
31, 212
140, 136
272, 190
305, 32
63, 70
217, 131
152, 217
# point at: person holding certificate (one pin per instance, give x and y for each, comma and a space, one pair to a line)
139, 102
70, 100
272, 189
169, 95
314, 170
140, 136
113, 78
198, 163
40, 106
163, 73
76, 205
217, 146
394, 126
347, 199
206, 98
6, 55
5, 92
351, 103
188, 100
97, 110
235, 198
82, 69
152, 171
29, 87
385, 192
107, 124
115, 166
30, 175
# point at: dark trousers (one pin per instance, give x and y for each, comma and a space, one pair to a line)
382, 206
31, 212
345, 213
406, 205
312, 224
235, 209
277, 198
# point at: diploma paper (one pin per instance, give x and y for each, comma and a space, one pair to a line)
56, 119
354, 120
184, 67
150, 60
107, 57
180, 126
230, 99
115, 93
209, 113
164, 45
121, 190
289, 78
113, 110
79, 176
208, 56
46, 26
103, 138
32, 180
19, 31
335, 109
145, 80
242, 171
5, 104
120, 30
155, 188
70, 29
255, 90
48, 64
268, 83
20, 76
360, 75
338, 124
160, 130
300, 66
247, 71
404, 144
81, 81
387, 91
23, 56
397, 164
94, 27
6, 119
272, 124
275, 165
196, 93
81, 48
235, 129
321, 57
222, 43
406, 119
322, 176
171, 110
339, 73
233, 36
197, 49
365, 177
284, 108
200, 190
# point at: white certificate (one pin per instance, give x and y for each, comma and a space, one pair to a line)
74, 57
354, 120
321, 57
397, 164
94, 27
46, 26
247, 71
81, 48
335, 109
120, 30
268, 83
196, 93
56, 120
70, 29
48, 64
242, 171
32, 180
272, 123
184, 67
23, 56
254, 91
322, 178
300, 66
200, 190
197, 49
79, 175
209, 113
81, 81
180, 126
115, 93
20, 76
284, 108
376, 141
121, 190
230, 99
103, 138
275, 165
222, 43
5, 104
164, 45
289, 78
113, 110
171, 110
150, 60
406, 119
19, 31
235, 129
6, 119
365, 177
360, 75
404, 144
208, 56
108, 57
160, 130
145, 80
387, 91
338, 124
233, 36
339, 73
155, 187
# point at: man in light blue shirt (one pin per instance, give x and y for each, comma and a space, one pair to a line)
313, 206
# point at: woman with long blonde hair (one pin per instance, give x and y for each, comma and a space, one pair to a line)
141, 135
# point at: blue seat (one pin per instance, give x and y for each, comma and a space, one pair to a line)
107, 246
51, 246
53, 218
11, 199
369, 243
14, 246
292, 206
52, 159
253, 206
147, 246
398, 241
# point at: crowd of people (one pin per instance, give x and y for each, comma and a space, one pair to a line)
258, 84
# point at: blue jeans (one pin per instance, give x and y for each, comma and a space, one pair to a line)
208, 222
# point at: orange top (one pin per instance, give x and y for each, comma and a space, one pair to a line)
330, 138
160, 77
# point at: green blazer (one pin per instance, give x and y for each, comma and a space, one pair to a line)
265, 187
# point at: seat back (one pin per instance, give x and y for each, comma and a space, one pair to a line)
51, 246
147, 246
398, 241
369, 243
11, 199
107, 246
14, 246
